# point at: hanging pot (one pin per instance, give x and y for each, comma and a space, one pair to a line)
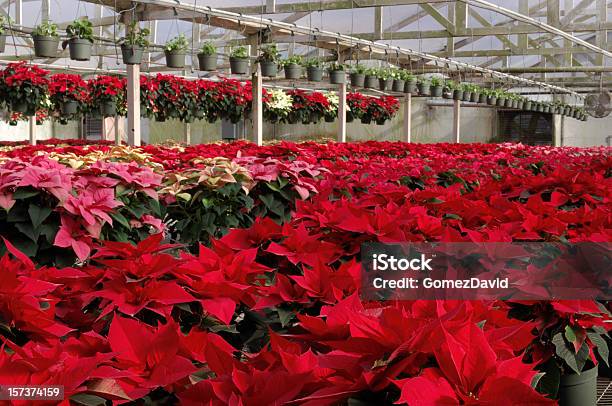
467, 95
175, 59
436, 91
410, 87
399, 85
424, 89
132, 54
306, 120
337, 77
371, 82
482, 98
501, 102
520, 105
45, 47
239, 66
199, 114
315, 117
366, 120
508, 103
314, 73
2, 43
292, 119
474, 97
527, 105
70, 107
269, 68
207, 63
568, 110
381, 121
108, 109
382, 84
457, 94
350, 117
80, 49
578, 389
515, 104
491, 100
19, 107
293, 71
330, 119
357, 79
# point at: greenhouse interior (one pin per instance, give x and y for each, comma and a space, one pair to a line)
305, 203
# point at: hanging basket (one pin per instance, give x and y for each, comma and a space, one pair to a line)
45, 47
2, 43
175, 59
108, 109
69, 108
501, 102
474, 97
399, 85
207, 63
337, 77
482, 98
491, 100
293, 71
366, 120
381, 121
350, 117
457, 94
132, 54
467, 96
314, 74
424, 89
269, 68
527, 105
239, 66
330, 119
371, 82
357, 79
436, 91
80, 49
410, 87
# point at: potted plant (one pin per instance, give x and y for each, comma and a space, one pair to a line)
399, 84
423, 86
527, 105
46, 40
475, 93
314, 71
175, 51
371, 78
455, 90
107, 93
134, 44
80, 39
239, 61
337, 73
292, 67
268, 60
501, 98
436, 86
24, 86
482, 95
385, 80
3, 22
358, 76
207, 57
467, 92
491, 97
410, 80
68, 93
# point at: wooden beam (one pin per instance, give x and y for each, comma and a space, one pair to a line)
323, 5
378, 22
436, 15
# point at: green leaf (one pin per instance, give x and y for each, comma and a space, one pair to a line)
549, 383
21, 194
27, 229
575, 361
602, 346
38, 214
120, 218
569, 334
87, 399
285, 316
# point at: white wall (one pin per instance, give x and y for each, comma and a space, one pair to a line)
592, 132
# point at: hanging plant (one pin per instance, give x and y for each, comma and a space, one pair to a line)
24, 87
108, 95
207, 57
175, 51
424, 86
239, 61
46, 40
69, 94
437, 86
371, 78
80, 39
314, 70
292, 67
134, 44
268, 60
337, 73
277, 106
4, 20
358, 75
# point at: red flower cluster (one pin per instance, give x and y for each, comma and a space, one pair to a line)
106, 88
65, 87
271, 314
16, 74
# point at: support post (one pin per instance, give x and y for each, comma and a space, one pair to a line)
33, 130
133, 95
257, 105
457, 121
408, 118
187, 133
342, 113
117, 130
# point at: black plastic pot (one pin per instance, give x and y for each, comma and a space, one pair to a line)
175, 59
457, 94
424, 89
567, 110
108, 109
410, 87
482, 98
314, 73
399, 85
2, 43
578, 390
366, 120
501, 102
436, 91
520, 105
527, 105
293, 71
315, 117
330, 119
467, 96
350, 117
239, 66
357, 79
269, 68
292, 119
207, 63
385, 84
371, 82
508, 103
337, 77
132, 54
491, 100
381, 121
80, 49
19, 107
474, 97
540, 108
70, 107
45, 47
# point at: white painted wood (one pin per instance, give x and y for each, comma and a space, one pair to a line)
187, 133
342, 113
457, 121
33, 130
133, 96
257, 105
408, 118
